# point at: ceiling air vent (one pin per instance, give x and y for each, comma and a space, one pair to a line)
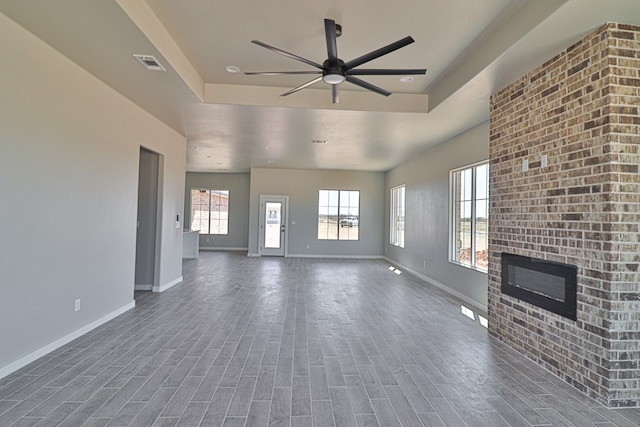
149, 62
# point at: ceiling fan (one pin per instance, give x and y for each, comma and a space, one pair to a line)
335, 71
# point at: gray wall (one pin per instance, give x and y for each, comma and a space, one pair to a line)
302, 187
238, 186
426, 177
69, 149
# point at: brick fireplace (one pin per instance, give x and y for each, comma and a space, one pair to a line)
565, 187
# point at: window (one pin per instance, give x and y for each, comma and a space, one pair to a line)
396, 233
470, 216
338, 215
210, 211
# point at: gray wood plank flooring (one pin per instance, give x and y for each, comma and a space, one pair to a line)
293, 342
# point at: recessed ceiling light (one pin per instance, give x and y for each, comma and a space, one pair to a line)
406, 79
232, 69
270, 161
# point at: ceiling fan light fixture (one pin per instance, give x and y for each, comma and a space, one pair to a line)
333, 79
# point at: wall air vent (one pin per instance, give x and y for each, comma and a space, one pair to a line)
149, 62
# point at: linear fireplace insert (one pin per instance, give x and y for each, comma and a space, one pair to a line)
546, 284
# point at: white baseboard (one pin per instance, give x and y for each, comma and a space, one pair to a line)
142, 287
440, 285
24, 361
166, 286
335, 256
215, 248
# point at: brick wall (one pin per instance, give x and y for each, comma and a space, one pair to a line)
582, 110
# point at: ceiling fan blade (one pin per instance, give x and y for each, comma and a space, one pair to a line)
332, 46
287, 54
307, 84
278, 73
335, 96
362, 83
384, 72
378, 53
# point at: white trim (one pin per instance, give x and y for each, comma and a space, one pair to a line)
24, 361
217, 248
284, 200
335, 256
166, 286
142, 287
441, 286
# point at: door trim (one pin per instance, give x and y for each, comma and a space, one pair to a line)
285, 221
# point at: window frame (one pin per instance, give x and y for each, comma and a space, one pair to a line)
339, 214
396, 209
210, 192
453, 256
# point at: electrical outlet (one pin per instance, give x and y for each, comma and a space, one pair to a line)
543, 161
77, 305
424, 264
525, 165
307, 246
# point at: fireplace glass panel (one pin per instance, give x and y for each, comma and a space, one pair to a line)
536, 281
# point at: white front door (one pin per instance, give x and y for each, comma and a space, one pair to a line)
273, 225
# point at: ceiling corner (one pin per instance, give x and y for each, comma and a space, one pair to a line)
512, 25
143, 17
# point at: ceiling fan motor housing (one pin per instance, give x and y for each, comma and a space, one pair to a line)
333, 73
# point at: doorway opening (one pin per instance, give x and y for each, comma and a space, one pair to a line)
148, 221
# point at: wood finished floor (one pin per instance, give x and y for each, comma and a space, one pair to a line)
293, 342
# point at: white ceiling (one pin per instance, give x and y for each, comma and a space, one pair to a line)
234, 122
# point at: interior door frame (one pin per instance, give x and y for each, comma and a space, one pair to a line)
154, 217
285, 222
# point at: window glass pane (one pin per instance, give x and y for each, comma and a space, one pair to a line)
401, 219
465, 247
338, 214
210, 211
349, 215
200, 211
466, 184
482, 182
397, 216
328, 214
219, 211
272, 224
470, 216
